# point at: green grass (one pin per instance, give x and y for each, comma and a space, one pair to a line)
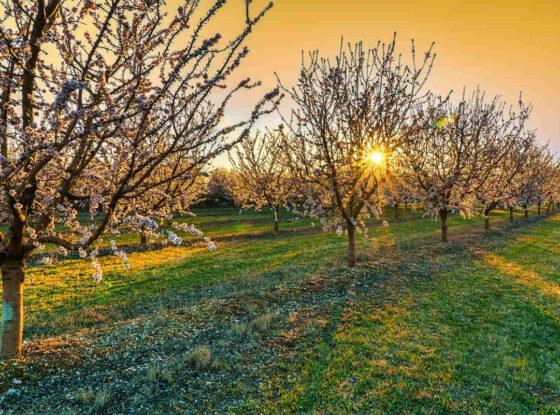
472, 326
481, 336
63, 298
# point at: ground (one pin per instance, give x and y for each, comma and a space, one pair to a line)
277, 323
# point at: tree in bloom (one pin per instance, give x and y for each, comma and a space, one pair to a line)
536, 181
219, 187
348, 122
455, 149
260, 175
552, 190
172, 188
123, 105
510, 143
398, 190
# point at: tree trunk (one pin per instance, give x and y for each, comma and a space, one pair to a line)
397, 211
486, 214
548, 208
443, 215
351, 247
143, 239
539, 209
12, 309
276, 219
526, 212
510, 215
406, 206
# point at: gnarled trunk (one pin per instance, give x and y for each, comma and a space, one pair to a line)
443, 216
510, 215
276, 219
351, 246
486, 212
12, 309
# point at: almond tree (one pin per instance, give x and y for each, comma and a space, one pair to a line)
511, 142
260, 177
552, 190
512, 188
178, 183
349, 119
398, 190
98, 122
454, 150
219, 185
537, 175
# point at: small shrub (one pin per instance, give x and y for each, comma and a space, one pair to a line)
158, 373
292, 318
239, 329
219, 364
85, 396
313, 327
264, 323
200, 357
102, 399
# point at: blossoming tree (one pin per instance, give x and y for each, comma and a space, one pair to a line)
536, 181
260, 177
399, 190
455, 149
101, 121
348, 122
510, 143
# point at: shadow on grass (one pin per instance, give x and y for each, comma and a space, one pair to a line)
245, 265
461, 338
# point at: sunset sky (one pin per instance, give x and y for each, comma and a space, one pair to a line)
505, 46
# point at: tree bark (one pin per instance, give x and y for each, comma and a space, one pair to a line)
526, 212
510, 215
276, 227
351, 246
486, 214
143, 239
539, 209
12, 309
548, 208
443, 216
397, 211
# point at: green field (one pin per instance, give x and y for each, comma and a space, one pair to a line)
277, 323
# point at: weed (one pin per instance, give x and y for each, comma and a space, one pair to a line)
200, 357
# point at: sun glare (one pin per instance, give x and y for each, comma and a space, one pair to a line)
377, 157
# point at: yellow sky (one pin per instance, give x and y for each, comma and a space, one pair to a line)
503, 46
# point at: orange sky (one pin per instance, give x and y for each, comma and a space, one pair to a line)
503, 46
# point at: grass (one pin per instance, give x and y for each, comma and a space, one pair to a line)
276, 323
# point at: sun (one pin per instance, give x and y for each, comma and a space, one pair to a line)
377, 157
